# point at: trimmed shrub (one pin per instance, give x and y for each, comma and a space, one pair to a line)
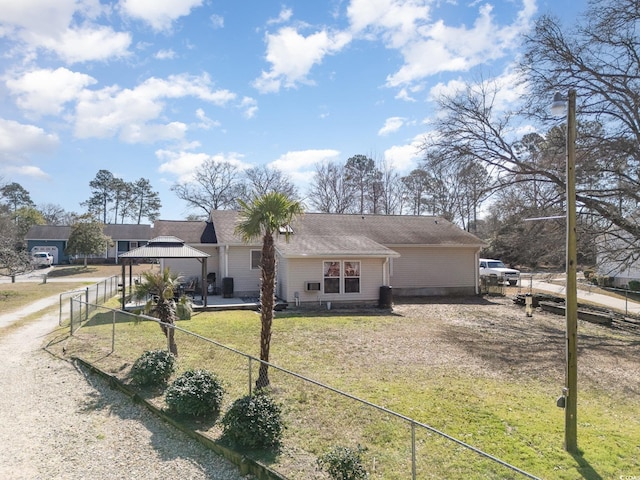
196, 393
343, 463
634, 285
153, 368
253, 422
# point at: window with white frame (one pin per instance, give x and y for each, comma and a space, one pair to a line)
351, 277
256, 258
345, 274
332, 275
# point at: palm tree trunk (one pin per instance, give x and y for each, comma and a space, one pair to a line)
173, 347
267, 297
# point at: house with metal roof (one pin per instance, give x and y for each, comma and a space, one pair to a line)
337, 258
54, 238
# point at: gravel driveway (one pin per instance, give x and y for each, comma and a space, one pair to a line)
58, 422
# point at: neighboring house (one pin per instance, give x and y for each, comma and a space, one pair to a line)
338, 258
53, 239
617, 256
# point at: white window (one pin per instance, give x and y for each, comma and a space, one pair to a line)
332, 273
256, 258
341, 277
351, 277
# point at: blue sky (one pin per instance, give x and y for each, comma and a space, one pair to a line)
148, 88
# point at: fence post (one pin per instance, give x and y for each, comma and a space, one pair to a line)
250, 380
71, 315
113, 333
413, 450
86, 301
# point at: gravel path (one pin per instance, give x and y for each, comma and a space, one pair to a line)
59, 422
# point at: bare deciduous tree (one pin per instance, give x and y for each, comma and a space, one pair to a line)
215, 186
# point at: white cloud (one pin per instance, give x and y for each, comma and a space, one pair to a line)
183, 164
17, 142
392, 124
283, 17
149, 133
292, 56
430, 46
165, 54
404, 157
65, 27
299, 165
250, 107
88, 43
27, 171
205, 122
159, 15
303, 160
217, 21
395, 20
43, 17
403, 94
508, 88
20, 139
114, 111
46, 91
438, 47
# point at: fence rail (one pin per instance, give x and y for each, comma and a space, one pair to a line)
95, 294
398, 447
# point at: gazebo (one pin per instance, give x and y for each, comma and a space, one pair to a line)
159, 248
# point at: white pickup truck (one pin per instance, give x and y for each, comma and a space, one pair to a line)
489, 266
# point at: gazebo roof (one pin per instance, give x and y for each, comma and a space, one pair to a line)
165, 247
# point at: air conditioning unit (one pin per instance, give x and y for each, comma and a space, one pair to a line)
312, 286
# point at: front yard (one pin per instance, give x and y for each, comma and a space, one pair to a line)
478, 370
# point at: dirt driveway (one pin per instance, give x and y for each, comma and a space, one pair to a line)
59, 422
493, 335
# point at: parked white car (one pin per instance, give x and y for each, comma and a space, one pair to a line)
42, 259
489, 266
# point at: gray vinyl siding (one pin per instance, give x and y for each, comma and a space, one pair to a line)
245, 280
298, 271
428, 267
185, 267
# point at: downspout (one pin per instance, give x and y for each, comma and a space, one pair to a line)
226, 260
385, 272
476, 275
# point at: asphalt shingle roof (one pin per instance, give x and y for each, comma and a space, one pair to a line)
115, 231
386, 230
323, 246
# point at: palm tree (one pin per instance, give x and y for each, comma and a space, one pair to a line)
159, 289
263, 217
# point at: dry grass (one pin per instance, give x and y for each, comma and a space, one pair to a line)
476, 368
70, 271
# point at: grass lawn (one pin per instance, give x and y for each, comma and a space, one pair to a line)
479, 371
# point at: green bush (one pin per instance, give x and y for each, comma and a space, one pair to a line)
343, 463
634, 285
253, 422
153, 368
196, 393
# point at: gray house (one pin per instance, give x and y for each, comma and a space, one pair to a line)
53, 239
337, 258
